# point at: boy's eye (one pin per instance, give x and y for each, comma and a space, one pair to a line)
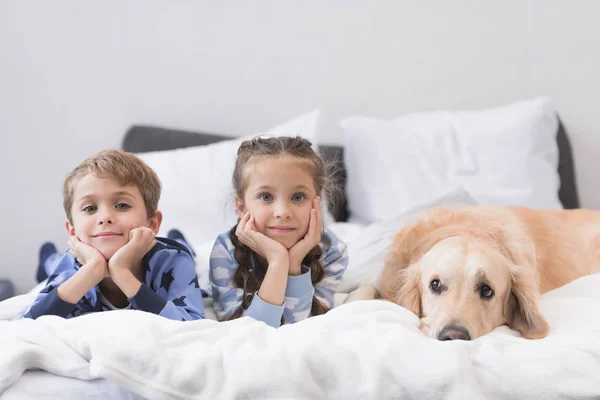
265, 197
89, 209
123, 206
298, 197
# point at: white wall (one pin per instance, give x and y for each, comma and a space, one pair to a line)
74, 76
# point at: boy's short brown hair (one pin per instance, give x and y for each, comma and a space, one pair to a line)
125, 167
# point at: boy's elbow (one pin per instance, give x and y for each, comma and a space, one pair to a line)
195, 314
198, 315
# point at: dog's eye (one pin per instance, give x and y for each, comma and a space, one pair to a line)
486, 292
436, 286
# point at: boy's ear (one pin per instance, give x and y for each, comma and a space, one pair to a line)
155, 222
239, 206
70, 228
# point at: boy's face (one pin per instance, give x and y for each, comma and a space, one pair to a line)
104, 212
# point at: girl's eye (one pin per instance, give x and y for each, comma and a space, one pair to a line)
89, 209
298, 197
123, 206
265, 197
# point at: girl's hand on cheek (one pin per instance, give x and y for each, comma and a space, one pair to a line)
312, 237
268, 248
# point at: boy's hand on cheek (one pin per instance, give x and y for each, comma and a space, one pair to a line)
88, 256
120, 265
141, 240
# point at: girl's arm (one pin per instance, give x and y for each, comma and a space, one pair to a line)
228, 298
300, 290
335, 261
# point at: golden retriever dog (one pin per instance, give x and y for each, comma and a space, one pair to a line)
467, 270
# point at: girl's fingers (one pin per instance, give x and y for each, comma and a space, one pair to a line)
314, 225
245, 219
242, 224
250, 225
320, 214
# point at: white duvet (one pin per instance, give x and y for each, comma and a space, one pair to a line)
365, 349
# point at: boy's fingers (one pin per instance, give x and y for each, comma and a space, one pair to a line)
150, 246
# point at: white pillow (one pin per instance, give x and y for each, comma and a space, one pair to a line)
370, 247
502, 155
197, 194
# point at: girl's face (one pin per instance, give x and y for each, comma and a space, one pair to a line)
279, 194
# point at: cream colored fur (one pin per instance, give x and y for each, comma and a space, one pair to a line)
518, 253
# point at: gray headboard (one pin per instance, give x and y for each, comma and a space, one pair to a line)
140, 139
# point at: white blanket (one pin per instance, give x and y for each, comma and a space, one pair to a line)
365, 349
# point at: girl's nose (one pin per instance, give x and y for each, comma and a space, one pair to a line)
282, 210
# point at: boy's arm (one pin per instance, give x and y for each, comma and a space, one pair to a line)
74, 283
174, 291
228, 298
87, 277
141, 241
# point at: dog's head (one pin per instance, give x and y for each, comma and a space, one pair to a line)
464, 278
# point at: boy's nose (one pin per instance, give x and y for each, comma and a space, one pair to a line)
106, 218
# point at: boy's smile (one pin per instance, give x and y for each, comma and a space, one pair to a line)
107, 234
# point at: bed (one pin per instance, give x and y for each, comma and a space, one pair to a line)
358, 350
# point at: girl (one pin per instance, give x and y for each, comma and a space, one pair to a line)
278, 264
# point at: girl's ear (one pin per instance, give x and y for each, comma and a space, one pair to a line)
155, 222
70, 228
239, 206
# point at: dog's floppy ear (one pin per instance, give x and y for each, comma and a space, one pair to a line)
398, 282
409, 293
397, 259
520, 309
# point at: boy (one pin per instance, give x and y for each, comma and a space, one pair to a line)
115, 260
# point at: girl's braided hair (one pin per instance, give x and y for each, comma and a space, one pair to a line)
250, 273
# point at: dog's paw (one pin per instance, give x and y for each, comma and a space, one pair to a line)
365, 292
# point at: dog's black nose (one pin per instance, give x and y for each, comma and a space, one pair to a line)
454, 332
